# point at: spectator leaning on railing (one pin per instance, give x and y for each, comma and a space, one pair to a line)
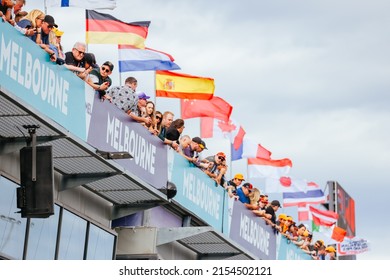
190, 149
99, 79
165, 124
231, 186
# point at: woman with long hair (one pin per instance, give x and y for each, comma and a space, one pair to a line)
151, 113
159, 117
30, 24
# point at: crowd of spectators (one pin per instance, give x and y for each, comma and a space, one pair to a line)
43, 30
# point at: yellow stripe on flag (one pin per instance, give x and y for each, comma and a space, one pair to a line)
183, 86
93, 37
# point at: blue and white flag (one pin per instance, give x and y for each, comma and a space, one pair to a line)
86, 4
134, 59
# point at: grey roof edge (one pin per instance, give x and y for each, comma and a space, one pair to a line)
203, 223
80, 142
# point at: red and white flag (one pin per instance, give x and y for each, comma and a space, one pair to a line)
242, 145
285, 184
231, 129
268, 168
303, 212
251, 149
323, 217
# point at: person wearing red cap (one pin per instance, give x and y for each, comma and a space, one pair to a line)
244, 192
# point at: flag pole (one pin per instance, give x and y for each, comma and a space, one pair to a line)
120, 72
86, 31
45, 8
155, 88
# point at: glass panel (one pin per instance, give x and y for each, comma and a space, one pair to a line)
100, 244
43, 235
72, 238
12, 226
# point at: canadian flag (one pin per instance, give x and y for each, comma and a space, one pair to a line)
242, 145
231, 129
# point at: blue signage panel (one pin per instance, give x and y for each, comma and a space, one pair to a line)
196, 191
252, 233
27, 72
289, 251
110, 129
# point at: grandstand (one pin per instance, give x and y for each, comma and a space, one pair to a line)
79, 181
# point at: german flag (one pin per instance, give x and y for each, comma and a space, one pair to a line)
183, 86
106, 29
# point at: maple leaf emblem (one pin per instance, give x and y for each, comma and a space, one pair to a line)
226, 126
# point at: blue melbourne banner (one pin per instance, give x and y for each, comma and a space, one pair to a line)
110, 129
252, 233
289, 251
196, 191
27, 72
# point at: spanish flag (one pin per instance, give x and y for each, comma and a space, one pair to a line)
183, 86
106, 29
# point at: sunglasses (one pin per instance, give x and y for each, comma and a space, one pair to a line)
221, 158
80, 52
158, 117
107, 70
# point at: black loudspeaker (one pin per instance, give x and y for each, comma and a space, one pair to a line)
170, 190
35, 198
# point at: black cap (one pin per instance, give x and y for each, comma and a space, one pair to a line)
248, 185
276, 203
88, 58
199, 141
109, 64
204, 145
50, 20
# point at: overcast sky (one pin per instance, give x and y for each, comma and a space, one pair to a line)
309, 80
